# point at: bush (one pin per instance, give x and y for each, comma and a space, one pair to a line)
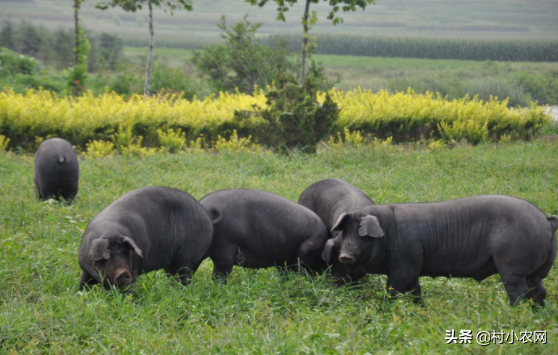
99, 149
110, 48
408, 116
171, 78
12, 64
235, 144
241, 63
294, 117
4, 141
348, 138
405, 116
172, 140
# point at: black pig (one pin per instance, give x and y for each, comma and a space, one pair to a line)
147, 229
473, 237
258, 229
56, 170
329, 199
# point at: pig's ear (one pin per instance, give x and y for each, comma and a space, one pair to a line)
215, 215
341, 221
370, 227
99, 250
130, 242
328, 249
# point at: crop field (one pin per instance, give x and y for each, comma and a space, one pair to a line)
261, 311
513, 19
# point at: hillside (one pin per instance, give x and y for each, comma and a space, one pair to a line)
537, 19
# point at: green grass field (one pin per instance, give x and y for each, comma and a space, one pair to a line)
260, 311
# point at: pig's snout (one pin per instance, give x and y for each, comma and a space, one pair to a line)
347, 259
122, 277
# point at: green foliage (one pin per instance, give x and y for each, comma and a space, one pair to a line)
347, 138
431, 48
30, 40
336, 5
129, 145
12, 64
236, 144
241, 63
294, 118
110, 50
7, 36
542, 87
99, 149
134, 5
63, 49
167, 78
77, 75
472, 131
172, 140
4, 141
125, 81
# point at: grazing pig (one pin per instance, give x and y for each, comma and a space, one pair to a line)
147, 229
56, 170
472, 237
258, 229
329, 199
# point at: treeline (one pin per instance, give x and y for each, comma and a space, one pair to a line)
56, 48
428, 48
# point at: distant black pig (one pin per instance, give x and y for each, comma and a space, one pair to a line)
258, 229
473, 237
147, 229
56, 170
329, 199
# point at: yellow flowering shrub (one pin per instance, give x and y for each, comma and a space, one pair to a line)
99, 149
172, 140
349, 138
236, 144
408, 116
4, 141
405, 116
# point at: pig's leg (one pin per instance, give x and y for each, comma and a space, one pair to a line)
86, 280
223, 258
536, 290
310, 253
403, 280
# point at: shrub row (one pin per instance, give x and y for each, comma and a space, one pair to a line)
430, 48
405, 116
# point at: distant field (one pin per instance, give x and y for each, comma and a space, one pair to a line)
453, 77
513, 19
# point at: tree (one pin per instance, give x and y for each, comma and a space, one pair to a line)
78, 73
307, 21
77, 5
7, 36
294, 118
111, 50
133, 6
31, 41
63, 49
241, 62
